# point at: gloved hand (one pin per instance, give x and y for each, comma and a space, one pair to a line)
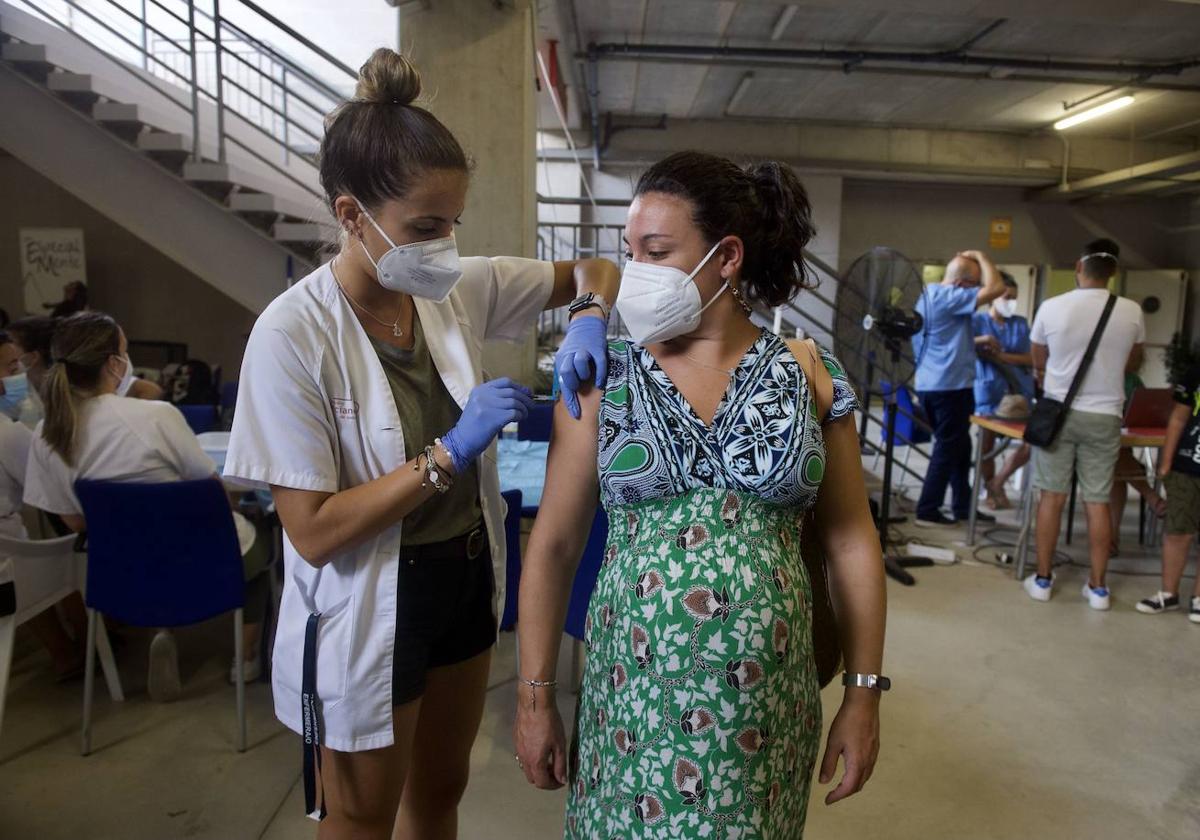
584, 345
490, 407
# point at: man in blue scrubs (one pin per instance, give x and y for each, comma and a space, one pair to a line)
945, 353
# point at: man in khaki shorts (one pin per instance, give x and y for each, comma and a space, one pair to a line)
1179, 467
1090, 438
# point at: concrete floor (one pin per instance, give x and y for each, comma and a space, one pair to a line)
1009, 719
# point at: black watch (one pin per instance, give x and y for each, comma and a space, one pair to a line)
587, 301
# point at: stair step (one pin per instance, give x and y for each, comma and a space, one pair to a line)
303, 232
19, 53
205, 172
115, 112
254, 202
70, 83
165, 142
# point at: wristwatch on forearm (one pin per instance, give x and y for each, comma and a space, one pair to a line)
866, 681
587, 301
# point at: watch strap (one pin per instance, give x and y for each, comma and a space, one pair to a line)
874, 681
588, 300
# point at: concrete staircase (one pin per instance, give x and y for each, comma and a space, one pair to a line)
274, 212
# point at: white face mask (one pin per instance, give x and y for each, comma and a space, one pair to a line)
1006, 307
427, 269
658, 302
127, 379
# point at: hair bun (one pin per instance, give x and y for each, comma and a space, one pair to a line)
388, 78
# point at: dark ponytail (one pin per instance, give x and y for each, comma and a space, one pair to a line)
81, 346
763, 204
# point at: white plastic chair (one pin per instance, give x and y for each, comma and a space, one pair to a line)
40, 574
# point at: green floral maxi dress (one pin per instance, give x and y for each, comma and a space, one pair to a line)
700, 713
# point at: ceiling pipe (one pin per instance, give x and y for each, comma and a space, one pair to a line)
852, 58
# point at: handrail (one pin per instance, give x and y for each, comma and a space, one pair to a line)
292, 33
150, 82
282, 108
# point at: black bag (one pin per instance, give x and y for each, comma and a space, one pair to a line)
1049, 414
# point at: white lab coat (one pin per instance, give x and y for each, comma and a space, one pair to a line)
315, 412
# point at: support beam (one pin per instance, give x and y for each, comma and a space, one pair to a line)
1146, 177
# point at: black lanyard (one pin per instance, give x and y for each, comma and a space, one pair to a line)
310, 716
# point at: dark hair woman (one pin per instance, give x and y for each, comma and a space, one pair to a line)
362, 403
712, 439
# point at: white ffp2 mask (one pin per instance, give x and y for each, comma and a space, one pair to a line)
428, 269
658, 302
1006, 307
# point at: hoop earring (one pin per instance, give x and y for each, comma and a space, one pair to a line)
733, 290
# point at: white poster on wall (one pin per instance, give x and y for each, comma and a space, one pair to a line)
50, 259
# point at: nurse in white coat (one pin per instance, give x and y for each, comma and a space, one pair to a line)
362, 404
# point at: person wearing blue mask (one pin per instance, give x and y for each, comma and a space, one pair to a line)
14, 381
364, 405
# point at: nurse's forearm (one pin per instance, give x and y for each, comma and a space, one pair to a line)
573, 278
324, 525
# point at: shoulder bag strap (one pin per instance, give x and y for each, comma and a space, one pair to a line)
820, 383
1089, 352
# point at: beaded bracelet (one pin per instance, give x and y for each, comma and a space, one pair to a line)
534, 685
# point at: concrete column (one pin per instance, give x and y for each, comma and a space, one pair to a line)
477, 76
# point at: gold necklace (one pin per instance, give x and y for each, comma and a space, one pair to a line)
395, 325
727, 371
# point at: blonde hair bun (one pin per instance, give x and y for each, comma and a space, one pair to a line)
388, 78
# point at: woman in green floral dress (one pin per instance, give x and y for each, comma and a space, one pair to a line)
700, 713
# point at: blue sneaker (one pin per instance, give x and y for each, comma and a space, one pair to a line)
1039, 588
1097, 597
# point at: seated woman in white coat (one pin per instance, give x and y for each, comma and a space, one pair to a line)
363, 405
93, 431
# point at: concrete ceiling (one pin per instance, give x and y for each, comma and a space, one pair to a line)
933, 95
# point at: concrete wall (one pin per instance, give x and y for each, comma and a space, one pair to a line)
153, 298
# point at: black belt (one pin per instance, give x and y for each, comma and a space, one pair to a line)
469, 545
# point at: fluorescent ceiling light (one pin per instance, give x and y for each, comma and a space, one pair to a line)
1092, 113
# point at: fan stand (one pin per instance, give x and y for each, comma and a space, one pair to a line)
894, 565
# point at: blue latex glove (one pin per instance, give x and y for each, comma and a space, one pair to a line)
490, 407
584, 345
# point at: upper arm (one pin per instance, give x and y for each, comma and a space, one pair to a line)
144, 389
572, 486
1180, 415
48, 484
183, 446
842, 507
516, 291
297, 508
279, 391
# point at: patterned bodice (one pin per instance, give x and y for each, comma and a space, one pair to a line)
764, 439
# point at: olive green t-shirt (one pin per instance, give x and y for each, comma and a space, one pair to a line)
427, 411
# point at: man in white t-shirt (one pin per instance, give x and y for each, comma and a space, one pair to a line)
1091, 435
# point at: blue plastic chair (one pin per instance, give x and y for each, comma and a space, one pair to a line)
537, 425
229, 392
161, 555
202, 418
512, 568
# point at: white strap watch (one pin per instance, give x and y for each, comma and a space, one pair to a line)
587, 301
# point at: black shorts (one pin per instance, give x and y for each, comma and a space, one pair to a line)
444, 609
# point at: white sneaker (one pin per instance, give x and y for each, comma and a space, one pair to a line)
1039, 589
162, 676
1194, 611
251, 670
1098, 598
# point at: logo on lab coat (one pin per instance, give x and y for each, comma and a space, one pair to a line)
344, 409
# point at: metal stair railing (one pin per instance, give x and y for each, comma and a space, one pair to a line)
190, 51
